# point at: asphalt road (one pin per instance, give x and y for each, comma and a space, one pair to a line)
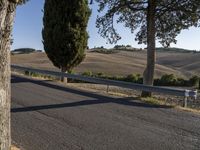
48, 116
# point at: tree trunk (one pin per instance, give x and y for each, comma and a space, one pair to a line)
148, 75
7, 13
63, 79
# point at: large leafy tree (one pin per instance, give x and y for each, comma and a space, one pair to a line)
64, 33
160, 20
7, 14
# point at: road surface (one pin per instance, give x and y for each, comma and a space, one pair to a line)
48, 116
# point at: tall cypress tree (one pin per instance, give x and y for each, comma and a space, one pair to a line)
64, 33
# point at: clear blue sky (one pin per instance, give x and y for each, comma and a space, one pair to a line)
28, 26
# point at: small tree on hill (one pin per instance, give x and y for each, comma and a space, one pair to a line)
64, 33
155, 19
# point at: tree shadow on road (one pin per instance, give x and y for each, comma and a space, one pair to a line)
98, 98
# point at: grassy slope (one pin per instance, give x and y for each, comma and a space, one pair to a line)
122, 63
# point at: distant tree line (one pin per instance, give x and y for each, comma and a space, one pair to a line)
24, 51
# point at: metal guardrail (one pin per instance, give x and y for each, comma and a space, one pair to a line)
155, 89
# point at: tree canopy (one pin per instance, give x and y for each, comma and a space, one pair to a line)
171, 16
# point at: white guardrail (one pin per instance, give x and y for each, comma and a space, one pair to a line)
155, 89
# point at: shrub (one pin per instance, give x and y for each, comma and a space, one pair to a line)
26, 73
100, 74
157, 82
118, 78
140, 80
87, 73
194, 81
181, 82
168, 79
131, 78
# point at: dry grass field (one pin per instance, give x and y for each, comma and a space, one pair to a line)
123, 63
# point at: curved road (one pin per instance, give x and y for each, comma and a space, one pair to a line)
48, 116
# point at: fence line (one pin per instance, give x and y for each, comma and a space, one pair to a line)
155, 89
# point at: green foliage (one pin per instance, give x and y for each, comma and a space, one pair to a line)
132, 78
194, 81
87, 73
26, 72
181, 82
136, 78
170, 18
100, 74
165, 80
118, 78
64, 33
171, 80
168, 79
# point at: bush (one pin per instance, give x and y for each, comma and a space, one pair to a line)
168, 79
181, 82
100, 74
87, 73
157, 82
118, 78
165, 80
194, 81
26, 73
132, 78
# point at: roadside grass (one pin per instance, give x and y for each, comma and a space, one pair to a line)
155, 101
35, 75
38, 75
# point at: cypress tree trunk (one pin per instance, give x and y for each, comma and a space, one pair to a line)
63, 79
7, 13
148, 75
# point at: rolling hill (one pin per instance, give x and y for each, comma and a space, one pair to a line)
122, 63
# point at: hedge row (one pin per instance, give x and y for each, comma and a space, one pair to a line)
165, 80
